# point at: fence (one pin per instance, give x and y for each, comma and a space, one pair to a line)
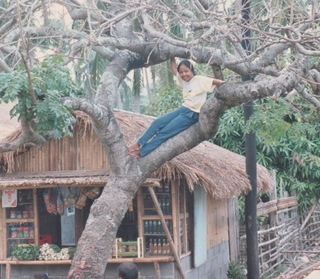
284, 235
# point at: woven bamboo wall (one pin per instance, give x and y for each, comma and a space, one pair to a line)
83, 151
217, 221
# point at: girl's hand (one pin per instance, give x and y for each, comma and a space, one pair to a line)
218, 82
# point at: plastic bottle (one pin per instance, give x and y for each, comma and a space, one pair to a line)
31, 231
14, 233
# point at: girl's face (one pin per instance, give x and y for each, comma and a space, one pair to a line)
185, 73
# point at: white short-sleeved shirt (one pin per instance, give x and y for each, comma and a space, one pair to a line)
195, 91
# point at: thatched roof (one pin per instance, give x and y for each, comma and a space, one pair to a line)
222, 173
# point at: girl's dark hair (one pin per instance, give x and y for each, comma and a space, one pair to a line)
188, 64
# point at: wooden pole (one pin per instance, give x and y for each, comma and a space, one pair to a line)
157, 270
175, 213
166, 230
251, 163
35, 217
8, 270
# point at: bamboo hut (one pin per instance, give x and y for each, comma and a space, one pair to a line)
182, 221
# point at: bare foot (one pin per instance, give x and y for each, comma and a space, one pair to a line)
134, 147
135, 153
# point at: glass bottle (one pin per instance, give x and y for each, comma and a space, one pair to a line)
168, 206
151, 247
154, 227
155, 249
159, 247
159, 227
150, 227
164, 247
146, 227
168, 248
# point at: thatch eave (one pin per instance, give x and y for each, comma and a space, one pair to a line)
49, 179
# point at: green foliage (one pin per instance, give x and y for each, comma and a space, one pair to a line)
51, 81
235, 271
25, 252
284, 143
90, 73
241, 206
165, 100
231, 131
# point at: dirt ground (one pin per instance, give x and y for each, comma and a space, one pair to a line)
7, 125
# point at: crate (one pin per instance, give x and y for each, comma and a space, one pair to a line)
130, 249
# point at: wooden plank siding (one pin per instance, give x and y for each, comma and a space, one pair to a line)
83, 151
217, 222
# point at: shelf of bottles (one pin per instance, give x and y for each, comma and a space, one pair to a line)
164, 199
20, 221
154, 235
158, 246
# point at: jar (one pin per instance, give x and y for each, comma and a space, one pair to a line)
14, 233
31, 231
25, 232
20, 232
31, 214
25, 214
13, 214
19, 214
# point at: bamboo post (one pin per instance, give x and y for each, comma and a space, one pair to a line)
35, 217
157, 270
140, 213
184, 223
175, 212
166, 230
273, 196
8, 270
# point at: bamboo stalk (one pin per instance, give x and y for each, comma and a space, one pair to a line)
300, 251
308, 217
164, 225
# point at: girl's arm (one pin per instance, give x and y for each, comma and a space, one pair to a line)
173, 64
218, 82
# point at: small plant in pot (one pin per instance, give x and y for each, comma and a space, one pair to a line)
26, 252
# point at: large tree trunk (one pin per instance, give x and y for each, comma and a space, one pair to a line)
106, 214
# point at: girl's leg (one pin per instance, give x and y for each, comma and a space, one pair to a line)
156, 126
183, 121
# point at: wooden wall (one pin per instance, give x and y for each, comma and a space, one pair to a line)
83, 151
217, 221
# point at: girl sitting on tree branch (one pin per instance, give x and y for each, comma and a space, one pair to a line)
194, 90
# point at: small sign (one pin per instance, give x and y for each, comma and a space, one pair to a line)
9, 198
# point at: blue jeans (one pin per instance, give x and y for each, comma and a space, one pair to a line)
166, 127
